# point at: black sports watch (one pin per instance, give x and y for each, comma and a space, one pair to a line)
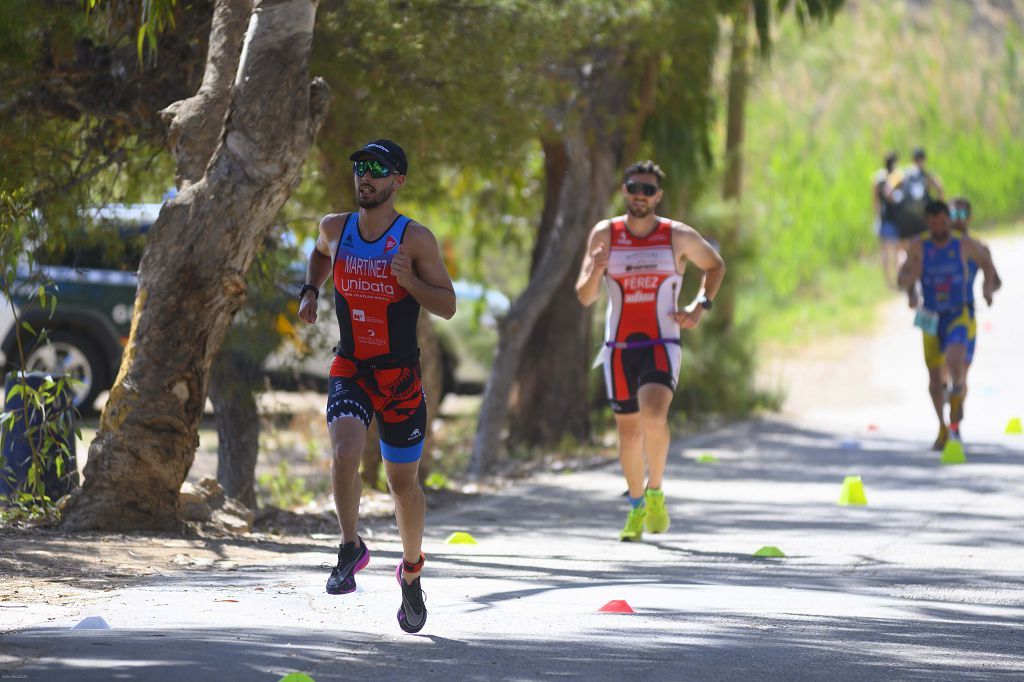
704, 302
309, 287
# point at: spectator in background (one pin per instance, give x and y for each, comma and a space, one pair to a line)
933, 188
908, 191
885, 228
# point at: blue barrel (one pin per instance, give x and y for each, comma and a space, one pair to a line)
16, 447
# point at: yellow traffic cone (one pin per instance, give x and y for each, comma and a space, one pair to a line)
852, 492
953, 452
460, 538
1014, 427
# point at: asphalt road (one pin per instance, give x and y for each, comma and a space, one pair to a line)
922, 583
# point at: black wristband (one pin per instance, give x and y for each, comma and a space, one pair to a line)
309, 287
704, 302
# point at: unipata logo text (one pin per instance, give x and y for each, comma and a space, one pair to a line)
362, 286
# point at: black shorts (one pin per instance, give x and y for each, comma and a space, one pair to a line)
627, 369
397, 401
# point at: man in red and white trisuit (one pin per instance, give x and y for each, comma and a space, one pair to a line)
384, 268
641, 258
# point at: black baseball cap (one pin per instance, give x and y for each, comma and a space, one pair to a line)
387, 152
919, 153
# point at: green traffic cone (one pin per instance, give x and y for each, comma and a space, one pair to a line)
769, 551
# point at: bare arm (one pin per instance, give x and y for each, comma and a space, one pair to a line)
998, 284
595, 263
910, 272
980, 254
690, 246
319, 267
419, 268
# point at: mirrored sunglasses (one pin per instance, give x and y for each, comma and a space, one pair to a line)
375, 167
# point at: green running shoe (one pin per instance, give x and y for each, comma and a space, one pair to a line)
634, 530
657, 515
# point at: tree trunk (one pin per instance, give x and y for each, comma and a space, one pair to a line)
238, 425
543, 416
432, 370
732, 185
553, 397
192, 276
192, 143
590, 174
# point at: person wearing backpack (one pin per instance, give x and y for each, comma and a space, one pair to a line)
885, 228
908, 191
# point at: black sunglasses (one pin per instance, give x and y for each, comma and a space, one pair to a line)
641, 188
377, 169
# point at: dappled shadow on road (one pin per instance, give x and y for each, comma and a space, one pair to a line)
655, 644
764, 455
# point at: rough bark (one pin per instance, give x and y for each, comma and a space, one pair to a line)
432, 369
192, 142
192, 277
195, 125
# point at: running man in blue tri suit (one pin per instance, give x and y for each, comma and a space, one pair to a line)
939, 261
385, 267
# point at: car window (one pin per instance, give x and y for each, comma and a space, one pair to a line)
119, 248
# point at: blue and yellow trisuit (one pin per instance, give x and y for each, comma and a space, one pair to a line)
972, 328
944, 284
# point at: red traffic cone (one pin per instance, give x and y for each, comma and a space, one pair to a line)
616, 606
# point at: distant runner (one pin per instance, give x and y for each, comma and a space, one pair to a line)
885, 228
385, 266
939, 261
960, 212
641, 258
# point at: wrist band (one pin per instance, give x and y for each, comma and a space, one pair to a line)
309, 287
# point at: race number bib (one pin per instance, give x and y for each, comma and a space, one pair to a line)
927, 321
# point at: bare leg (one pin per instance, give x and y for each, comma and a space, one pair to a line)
410, 509
956, 363
937, 390
348, 438
654, 403
890, 257
631, 451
